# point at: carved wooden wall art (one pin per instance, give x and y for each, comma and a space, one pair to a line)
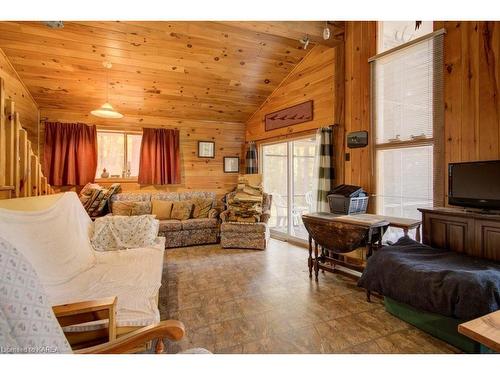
289, 116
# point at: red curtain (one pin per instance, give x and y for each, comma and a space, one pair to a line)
160, 161
70, 153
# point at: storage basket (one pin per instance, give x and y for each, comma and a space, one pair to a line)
347, 206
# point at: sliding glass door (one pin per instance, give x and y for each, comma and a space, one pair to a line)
288, 170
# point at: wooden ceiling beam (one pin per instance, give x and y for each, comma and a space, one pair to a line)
295, 30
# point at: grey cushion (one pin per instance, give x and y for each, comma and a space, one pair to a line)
230, 226
165, 196
137, 197
170, 225
196, 194
199, 223
27, 322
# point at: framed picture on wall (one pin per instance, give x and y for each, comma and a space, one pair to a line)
206, 149
231, 164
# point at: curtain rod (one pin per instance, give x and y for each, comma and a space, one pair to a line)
407, 44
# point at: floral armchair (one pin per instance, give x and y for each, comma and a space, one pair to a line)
246, 235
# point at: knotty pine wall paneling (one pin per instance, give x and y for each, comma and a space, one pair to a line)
471, 90
471, 94
190, 70
196, 173
360, 45
318, 77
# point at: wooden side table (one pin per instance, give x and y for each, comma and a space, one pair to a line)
340, 234
485, 330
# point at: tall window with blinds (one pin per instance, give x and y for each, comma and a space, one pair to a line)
407, 117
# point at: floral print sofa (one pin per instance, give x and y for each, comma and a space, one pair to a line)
179, 233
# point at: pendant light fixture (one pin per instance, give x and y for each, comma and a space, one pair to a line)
106, 110
326, 31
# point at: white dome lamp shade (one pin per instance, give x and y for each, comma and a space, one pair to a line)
106, 110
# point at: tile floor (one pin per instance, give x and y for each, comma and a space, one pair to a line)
244, 301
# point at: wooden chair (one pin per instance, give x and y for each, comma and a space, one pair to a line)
105, 309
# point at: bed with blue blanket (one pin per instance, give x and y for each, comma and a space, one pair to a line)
423, 285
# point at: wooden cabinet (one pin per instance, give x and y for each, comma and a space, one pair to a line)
466, 232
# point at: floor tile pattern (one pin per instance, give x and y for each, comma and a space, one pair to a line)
246, 301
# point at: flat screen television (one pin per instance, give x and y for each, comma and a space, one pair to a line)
474, 184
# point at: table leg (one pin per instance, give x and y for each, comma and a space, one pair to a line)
310, 260
405, 232
316, 261
417, 235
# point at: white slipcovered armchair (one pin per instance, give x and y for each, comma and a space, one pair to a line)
96, 295
28, 323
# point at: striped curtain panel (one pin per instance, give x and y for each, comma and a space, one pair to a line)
251, 161
324, 172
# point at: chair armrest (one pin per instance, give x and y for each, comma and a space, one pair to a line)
171, 329
224, 215
265, 216
213, 213
88, 311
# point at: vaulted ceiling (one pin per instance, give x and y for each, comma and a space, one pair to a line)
220, 71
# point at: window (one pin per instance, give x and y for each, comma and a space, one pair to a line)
395, 33
407, 105
118, 153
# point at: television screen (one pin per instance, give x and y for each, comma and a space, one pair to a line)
475, 184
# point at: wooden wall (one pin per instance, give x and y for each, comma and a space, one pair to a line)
197, 173
314, 78
471, 90
319, 77
25, 105
471, 94
360, 45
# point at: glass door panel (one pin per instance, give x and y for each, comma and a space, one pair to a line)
302, 186
288, 169
275, 176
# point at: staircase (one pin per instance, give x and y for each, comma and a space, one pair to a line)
20, 169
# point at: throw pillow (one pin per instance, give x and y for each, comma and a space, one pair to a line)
101, 207
86, 194
95, 198
181, 210
120, 232
162, 209
128, 208
201, 207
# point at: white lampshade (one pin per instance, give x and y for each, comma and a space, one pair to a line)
106, 111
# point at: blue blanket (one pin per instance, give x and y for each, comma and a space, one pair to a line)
437, 281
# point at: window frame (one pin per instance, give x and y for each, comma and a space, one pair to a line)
125, 149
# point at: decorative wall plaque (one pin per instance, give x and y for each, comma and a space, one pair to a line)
296, 114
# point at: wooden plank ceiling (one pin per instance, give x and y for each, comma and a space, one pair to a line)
219, 71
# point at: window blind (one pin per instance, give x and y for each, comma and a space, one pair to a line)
407, 86
407, 120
